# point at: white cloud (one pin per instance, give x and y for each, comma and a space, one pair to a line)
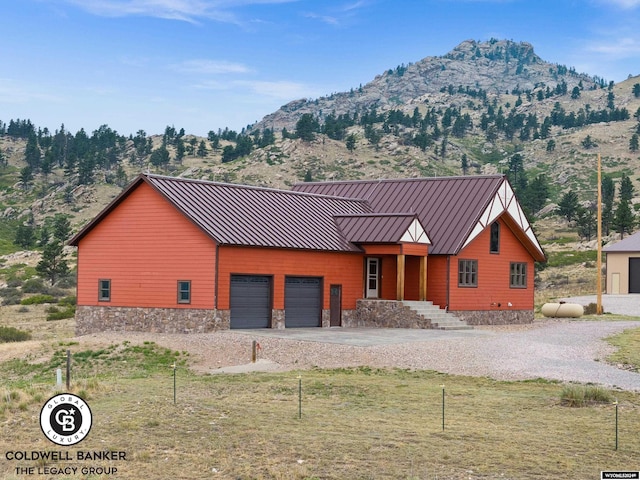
183, 10
323, 18
209, 67
12, 91
620, 48
281, 89
622, 3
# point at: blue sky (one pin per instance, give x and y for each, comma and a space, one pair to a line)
208, 64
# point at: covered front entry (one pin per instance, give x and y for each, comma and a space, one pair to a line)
250, 301
302, 302
395, 277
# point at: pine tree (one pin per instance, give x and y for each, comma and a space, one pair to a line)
551, 145
202, 149
608, 197
587, 222
536, 193
633, 143
25, 236
464, 164
351, 142
53, 264
568, 206
306, 127
624, 219
61, 228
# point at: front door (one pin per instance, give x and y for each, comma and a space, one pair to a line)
373, 278
335, 306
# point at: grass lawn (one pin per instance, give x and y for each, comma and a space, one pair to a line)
628, 353
357, 423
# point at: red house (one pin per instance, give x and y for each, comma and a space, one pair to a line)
178, 255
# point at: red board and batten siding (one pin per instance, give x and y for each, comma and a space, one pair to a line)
493, 275
344, 268
145, 246
437, 279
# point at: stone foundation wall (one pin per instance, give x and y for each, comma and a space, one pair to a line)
384, 314
277, 319
495, 317
155, 320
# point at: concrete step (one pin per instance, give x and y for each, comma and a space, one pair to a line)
439, 318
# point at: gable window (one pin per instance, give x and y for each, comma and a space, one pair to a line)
494, 246
104, 290
467, 273
184, 291
518, 275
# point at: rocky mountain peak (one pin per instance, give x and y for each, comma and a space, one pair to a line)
496, 66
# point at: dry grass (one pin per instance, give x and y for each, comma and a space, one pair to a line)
356, 423
628, 353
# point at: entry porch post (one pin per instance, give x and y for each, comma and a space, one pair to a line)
423, 279
400, 278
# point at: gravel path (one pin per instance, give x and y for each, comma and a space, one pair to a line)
620, 304
558, 350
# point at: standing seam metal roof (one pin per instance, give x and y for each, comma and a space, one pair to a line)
253, 216
448, 207
374, 228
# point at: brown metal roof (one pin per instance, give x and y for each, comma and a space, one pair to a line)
252, 216
374, 228
448, 207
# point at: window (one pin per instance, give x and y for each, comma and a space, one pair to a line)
104, 290
467, 273
184, 291
518, 275
494, 246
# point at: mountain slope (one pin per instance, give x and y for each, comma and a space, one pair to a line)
496, 66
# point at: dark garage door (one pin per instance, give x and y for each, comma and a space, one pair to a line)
634, 275
250, 301
302, 302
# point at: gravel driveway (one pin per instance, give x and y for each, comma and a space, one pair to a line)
559, 350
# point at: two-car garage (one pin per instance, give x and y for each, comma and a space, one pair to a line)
252, 300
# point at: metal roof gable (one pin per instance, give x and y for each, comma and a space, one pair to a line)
450, 208
382, 228
250, 216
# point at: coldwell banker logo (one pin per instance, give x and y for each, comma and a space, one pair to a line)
65, 419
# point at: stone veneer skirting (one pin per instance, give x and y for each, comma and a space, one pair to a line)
156, 320
368, 313
494, 317
384, 314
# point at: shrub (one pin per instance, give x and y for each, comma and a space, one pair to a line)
11, 334
35, 285
581, 396
14, 282
55, 313
68, 301
38, 300
10, 296
70, 281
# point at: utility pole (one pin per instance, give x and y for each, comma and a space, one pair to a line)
599, 262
